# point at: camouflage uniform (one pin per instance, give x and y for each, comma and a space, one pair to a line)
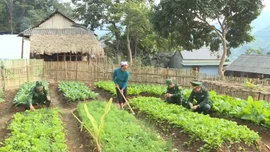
36, 97
177, 95
202, 98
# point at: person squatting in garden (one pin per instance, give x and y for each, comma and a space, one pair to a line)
120, 78
38, 95
174, 93
201, 95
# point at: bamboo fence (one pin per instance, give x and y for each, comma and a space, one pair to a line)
15, 72
237, 91
91, 72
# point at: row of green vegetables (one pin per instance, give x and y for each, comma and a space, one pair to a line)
76, 91
119, 131
36, 131
73, 91
213, 132
255, 111
25, 89
133, 89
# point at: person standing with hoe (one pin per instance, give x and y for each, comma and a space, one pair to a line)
120, 78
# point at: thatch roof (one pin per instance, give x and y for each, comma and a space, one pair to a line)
251, 64
72, 39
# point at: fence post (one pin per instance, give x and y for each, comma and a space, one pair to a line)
76, 70
3, 76
27, 69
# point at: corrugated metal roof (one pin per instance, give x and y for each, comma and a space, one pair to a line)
203, 53
50, 31
251, 63
202, 63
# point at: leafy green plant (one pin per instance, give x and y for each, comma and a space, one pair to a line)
133, 89
121, 131
95, 129
201, 126
76, 91
254, 111
36, 131
25, 89
249, 84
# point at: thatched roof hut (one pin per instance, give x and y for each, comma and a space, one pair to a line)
58, 34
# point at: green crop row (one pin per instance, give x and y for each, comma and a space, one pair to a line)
76, 91
121, 131
255, 111
25, 89
134, 89
213, 132
36, 131
251, 110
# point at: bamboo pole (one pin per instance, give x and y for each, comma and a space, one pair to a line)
126, 101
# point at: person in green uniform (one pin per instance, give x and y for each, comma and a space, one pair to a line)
201, 95
38, 95
174, 93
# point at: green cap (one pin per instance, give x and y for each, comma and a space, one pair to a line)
169, 81
39, 84
195, 83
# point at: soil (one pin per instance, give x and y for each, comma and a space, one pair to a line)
263, 132
76, 141
79, 141
180, 139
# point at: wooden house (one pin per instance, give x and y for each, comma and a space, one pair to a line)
59, 38
202, 60
251, 66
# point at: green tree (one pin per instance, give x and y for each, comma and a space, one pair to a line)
3, 18
254, 51
22, 14
92, 12
137, 25
195, 23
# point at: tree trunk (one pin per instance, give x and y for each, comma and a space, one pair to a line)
10, 6
135, 47
223, 57
128, 47
117, 37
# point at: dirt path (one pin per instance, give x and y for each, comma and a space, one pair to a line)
6, 112
76, 140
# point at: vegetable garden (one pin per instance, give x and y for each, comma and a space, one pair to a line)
90, 124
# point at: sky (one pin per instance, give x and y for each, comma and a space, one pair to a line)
267, 3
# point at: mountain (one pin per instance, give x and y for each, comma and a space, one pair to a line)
262, 40
261, 33
261, 22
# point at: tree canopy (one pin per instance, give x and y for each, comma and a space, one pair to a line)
18, 15
197, 23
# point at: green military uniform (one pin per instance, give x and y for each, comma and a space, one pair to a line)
176, 92
36, 97
202, 98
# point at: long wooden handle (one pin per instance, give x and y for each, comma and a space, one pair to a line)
125, 100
